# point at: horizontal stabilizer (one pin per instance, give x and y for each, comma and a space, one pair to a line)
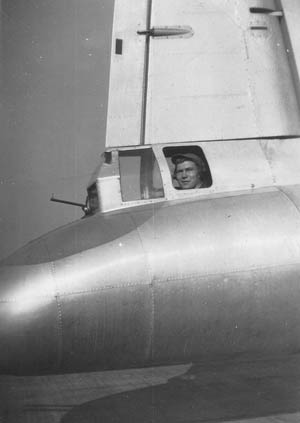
191, 71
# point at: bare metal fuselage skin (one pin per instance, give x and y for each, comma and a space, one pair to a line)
163, 283
176, 276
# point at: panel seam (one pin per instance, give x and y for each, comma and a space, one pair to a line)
59, 317
151, 284
149, 348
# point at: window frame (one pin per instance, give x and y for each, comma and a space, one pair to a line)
132, 203
187, 149
108, 179
171, 192
233, 166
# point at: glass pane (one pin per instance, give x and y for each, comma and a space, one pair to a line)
140, 175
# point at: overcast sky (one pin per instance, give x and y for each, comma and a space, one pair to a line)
55, 79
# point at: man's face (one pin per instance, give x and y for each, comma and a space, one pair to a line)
187, 175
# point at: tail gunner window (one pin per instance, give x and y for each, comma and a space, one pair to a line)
140, 175
188, 166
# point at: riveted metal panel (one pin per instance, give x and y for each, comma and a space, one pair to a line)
229, 80
220, 235
228, 265
30, 328
109, 328
253, 313
212, 276
116, 263
106, 301
76, 312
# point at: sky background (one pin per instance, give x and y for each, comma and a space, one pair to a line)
55, 70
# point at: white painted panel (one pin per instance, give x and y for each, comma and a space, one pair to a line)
284, 158
237, 165
126, 74
227, 81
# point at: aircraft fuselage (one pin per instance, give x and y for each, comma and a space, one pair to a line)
166, 283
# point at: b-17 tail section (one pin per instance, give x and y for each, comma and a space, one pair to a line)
200, 70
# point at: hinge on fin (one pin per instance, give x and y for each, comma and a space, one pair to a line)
266, 11
168, 32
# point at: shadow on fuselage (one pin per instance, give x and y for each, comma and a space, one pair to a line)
78, 236
221, 392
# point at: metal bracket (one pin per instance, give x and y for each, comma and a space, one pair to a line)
168, 32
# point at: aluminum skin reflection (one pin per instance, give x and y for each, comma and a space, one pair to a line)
166, 284
33, 287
